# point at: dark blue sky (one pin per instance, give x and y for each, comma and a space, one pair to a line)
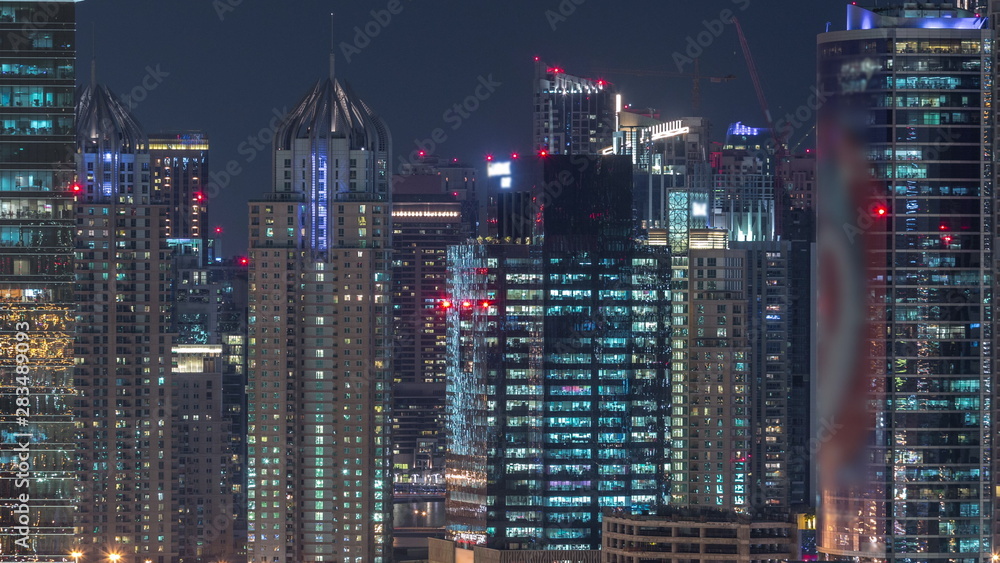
225, 66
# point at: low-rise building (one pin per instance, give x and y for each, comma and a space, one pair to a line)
696, 538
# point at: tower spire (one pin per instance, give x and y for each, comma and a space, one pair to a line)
93, 55
333, 56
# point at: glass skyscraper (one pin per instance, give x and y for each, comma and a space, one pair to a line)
906, 230
37, 434
558, 380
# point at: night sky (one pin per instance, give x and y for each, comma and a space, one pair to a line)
226, 66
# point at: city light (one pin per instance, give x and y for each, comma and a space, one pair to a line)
650, 299
498, 169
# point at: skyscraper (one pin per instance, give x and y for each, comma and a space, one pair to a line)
123, 344
672, 176
743, 197
37, 72
572, 115
434, 206
558, 387
906, 234
179, 164
711, 388
209, 318
320, 339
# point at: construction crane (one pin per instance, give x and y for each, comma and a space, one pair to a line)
696, 77
755, 77
779, 142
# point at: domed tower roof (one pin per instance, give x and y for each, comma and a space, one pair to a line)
104, 123
334, 111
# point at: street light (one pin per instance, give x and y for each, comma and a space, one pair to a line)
76, 555
114, 557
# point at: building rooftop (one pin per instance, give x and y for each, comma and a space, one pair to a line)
913, 15
104, 122
334, 111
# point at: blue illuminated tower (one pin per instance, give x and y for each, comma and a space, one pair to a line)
320, 338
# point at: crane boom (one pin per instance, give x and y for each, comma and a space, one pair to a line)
696, 79
780, 194
755, 77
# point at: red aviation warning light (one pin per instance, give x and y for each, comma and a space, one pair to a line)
466, 304
243, 261
76, 188
199, 197
486, 304
489, 158
880, 210
218, 230
446, 304
543, 152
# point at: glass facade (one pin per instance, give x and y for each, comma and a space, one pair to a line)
906, 230
557, 389
37, 58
